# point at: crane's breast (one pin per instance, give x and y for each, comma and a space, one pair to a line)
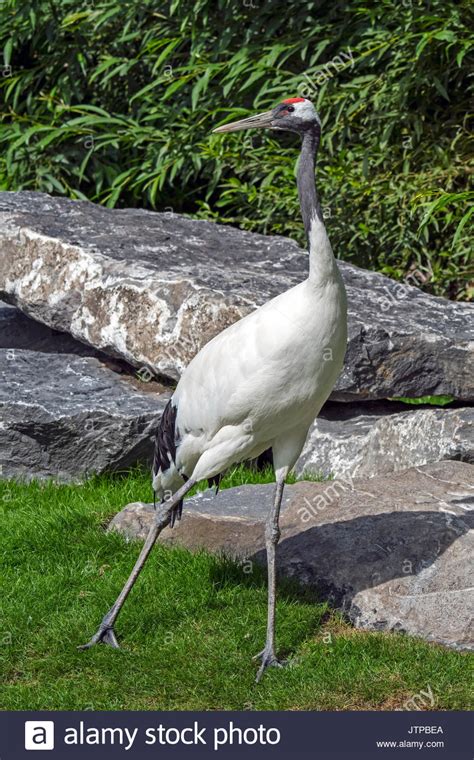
280, 361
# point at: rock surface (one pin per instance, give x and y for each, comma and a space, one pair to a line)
153, 288
375, 438
66, 417
19, 331
393, 552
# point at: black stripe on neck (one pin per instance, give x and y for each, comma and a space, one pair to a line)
305, 180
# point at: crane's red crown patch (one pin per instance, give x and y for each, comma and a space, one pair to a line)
294, 100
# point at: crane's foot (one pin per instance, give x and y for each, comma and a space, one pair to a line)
268, 660
105, 635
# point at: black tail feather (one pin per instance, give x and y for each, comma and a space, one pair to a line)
176, 513
215, 481
165, 439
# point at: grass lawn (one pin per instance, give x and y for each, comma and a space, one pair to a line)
189, 629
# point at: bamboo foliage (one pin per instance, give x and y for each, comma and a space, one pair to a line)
114, 101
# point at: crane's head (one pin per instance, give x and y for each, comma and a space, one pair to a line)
292, 115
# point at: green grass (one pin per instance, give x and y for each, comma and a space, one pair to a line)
242, 475
189, 629
425, 400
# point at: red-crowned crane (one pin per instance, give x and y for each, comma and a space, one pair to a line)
260, 383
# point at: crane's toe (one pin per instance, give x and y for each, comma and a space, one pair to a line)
104, 635
268, 660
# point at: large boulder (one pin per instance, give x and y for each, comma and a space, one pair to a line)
393, 552
66, 417
153, 288
375, 438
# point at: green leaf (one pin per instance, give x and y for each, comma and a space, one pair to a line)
7, 51
74, 19
200, 88
465, 219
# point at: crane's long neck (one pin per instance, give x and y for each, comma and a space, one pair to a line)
321, 258
309, 200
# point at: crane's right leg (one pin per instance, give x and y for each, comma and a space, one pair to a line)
272, 536
105, 632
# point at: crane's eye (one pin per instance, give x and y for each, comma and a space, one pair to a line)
290, 109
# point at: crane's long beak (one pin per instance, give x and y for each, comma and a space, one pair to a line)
259, 121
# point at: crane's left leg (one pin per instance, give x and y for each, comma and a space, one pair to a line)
272, 536
106, 633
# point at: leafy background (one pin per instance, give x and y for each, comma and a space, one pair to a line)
114, 100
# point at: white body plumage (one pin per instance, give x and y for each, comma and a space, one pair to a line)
260, 383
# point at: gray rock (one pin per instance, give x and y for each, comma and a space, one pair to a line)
393, 552
19, 331
375, 438
66, 417
153, 288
